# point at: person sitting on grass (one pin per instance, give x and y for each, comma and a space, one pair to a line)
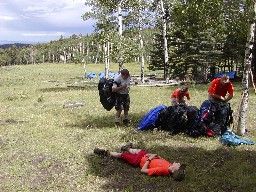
150, 164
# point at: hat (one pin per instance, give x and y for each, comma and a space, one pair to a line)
179, 175
125, 72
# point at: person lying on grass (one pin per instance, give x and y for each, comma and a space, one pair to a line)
150, 164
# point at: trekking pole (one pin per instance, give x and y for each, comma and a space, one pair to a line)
253, 82
236, 114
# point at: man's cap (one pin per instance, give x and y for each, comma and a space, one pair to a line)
179, 175
125, 72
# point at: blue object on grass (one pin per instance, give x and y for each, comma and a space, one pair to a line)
91, 75
101, 75
111, 75
231, 139
150, 119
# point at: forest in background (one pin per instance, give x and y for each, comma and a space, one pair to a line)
199, 38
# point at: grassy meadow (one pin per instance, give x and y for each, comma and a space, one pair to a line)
47, 147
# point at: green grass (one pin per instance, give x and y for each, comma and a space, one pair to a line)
46, 147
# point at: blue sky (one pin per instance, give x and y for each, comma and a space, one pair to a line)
39, 21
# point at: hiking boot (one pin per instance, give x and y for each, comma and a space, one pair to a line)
126, 122
117, 124
101, 152
127, 146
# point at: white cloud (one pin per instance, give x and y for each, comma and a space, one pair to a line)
38, 19
6, 17
24, 16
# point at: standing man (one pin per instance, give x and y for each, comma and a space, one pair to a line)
221, 89
178, 96
122, 89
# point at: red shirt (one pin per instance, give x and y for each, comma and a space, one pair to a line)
220, 89
156, 166
178, 95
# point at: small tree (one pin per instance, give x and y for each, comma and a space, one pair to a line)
241, 127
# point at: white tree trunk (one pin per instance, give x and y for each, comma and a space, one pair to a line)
108, 46
141, 49
97, 54
241, 125
142, 59
83, 48
120, 30
106, 60
65, 57
165, 38
119, 15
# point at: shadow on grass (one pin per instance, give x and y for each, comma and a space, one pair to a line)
68, 88
103, 121
224, 169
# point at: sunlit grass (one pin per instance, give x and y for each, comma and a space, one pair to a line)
47, 147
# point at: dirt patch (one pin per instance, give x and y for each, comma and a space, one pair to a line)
11, 121
47, 170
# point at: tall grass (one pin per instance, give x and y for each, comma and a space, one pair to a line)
47, 147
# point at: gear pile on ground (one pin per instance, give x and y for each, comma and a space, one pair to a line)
174, 119
212, 119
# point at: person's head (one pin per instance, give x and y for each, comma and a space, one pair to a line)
184, 89
177, 171
224, 79
125, 73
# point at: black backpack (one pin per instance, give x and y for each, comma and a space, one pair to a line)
174, 119
213, 119
107, 97
192, 113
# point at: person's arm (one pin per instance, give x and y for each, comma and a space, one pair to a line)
218, 97
188, 98
228, 97
144, 168
117, 89
230, 91
175, 102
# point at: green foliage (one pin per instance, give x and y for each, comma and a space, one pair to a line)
204, 37
157, 54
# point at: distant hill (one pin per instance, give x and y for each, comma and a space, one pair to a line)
5, 46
